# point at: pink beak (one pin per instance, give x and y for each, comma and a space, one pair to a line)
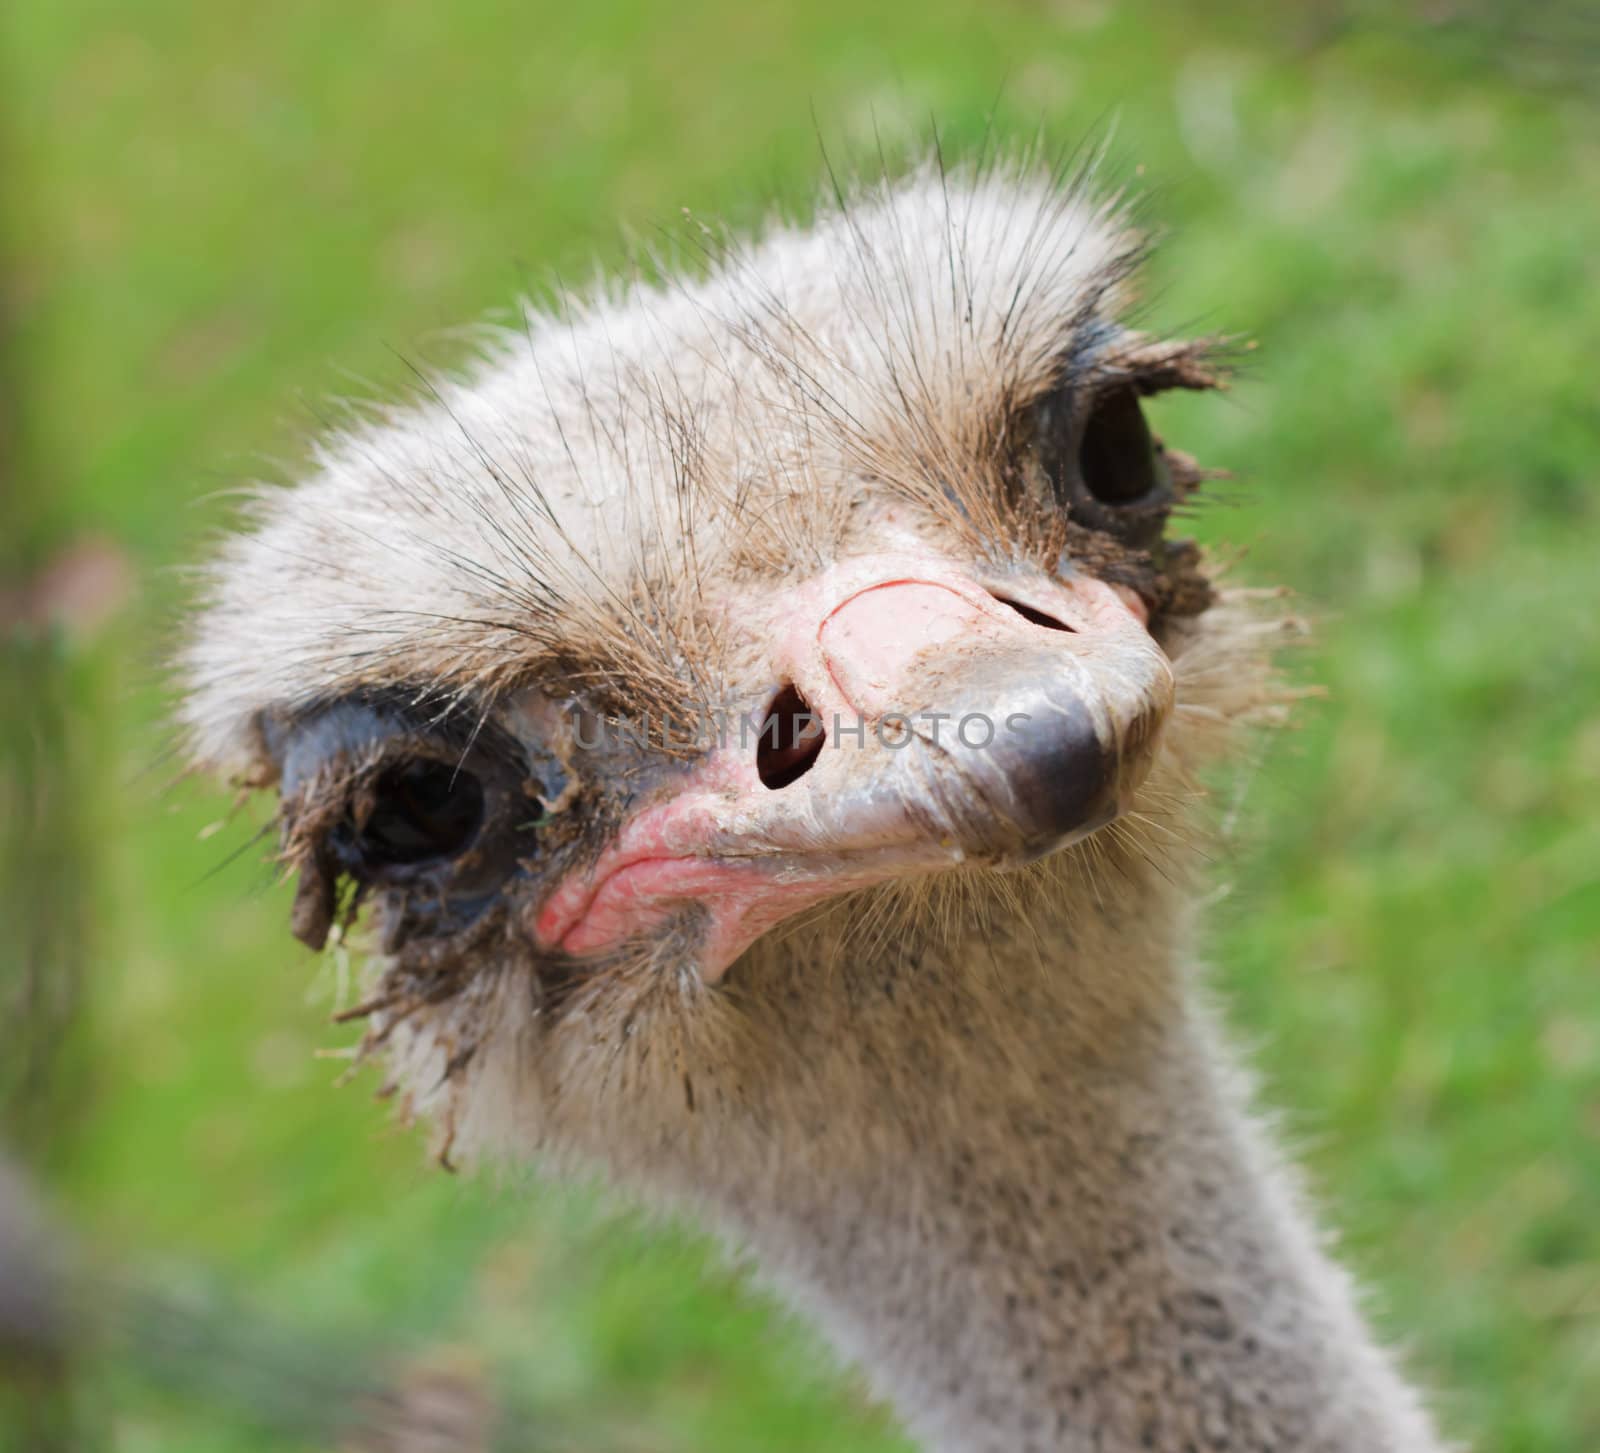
926, 721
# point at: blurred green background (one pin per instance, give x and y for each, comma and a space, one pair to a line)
216, 216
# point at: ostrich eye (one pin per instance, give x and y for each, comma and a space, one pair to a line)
421, 811
1117, 457
1095, 455
434, 813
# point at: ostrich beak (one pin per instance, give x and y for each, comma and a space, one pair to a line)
926, 720
1025, 747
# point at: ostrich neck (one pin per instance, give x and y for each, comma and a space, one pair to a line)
1044, 1219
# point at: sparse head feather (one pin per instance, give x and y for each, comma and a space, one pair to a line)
562, 502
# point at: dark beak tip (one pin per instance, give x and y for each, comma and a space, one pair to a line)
1062, 780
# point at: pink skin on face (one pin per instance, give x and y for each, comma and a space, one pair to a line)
660, 861
847, 638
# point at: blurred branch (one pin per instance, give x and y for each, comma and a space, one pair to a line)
33, 1338
43, 872
42, 893
179, 1333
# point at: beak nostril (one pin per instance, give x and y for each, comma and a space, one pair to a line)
1029, 613
790, 739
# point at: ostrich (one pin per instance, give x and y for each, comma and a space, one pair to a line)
757, 708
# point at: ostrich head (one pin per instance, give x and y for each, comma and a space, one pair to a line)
754, 716
715, 698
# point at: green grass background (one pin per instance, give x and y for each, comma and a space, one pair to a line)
221, 214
